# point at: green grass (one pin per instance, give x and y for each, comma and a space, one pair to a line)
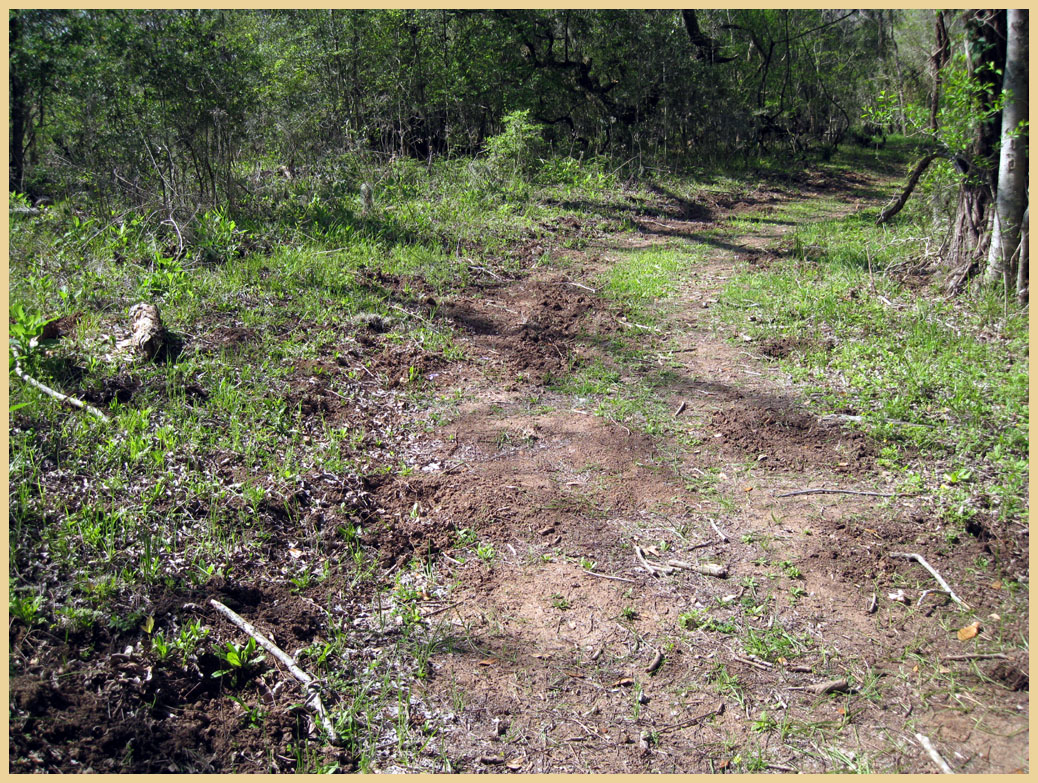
944, 379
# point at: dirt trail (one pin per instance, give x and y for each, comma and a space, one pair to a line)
545, 666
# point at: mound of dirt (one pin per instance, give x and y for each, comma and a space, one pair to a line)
786, 439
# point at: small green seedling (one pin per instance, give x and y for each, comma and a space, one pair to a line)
239, 659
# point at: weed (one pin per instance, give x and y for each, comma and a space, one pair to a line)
559, 601
239, 660
698, 619
26, 608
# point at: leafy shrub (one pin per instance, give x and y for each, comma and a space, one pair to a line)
514, 151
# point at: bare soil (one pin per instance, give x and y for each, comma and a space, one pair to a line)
544, 665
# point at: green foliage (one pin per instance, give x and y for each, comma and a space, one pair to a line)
239, 659
216, 237
24, 332
514, 151
922, 372
26, 608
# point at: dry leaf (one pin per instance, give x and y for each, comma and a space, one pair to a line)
747, 489
969, 631
296, 553
997, 585
487, 662
622, 681
514, 764
578, 675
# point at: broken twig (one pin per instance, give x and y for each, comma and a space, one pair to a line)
841, 492
655, 664
932, 751
721, 533
652, 569
56, 394
281, 655
940, 580
609, 576
975, 656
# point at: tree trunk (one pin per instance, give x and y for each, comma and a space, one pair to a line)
939, 59
1011, 197
1023, 271
19, 111
967, 253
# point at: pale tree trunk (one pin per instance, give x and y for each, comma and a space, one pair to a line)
1023, 271
1011, 196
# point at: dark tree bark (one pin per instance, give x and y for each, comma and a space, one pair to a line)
968, 247
939, 59
19, 110
707, 48
896, 205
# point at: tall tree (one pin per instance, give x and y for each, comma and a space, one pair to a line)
1011, 196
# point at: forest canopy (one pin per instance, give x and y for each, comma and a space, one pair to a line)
178, 109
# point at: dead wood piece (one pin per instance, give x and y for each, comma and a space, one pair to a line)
932, 752
148, 335
762, 665
895, 206
840, 492
681, 408
975, 656
940, 580
56, 394
655, 664
610, 576
314, 699
652, 569
829, 686
721, 533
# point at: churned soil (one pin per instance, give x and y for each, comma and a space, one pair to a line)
576, 646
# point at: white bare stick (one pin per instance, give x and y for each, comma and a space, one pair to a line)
719, 532
840, 492
281, 655
652, 569
976, 656
56, 394
578, 285
940, 580
608, 576
932, 751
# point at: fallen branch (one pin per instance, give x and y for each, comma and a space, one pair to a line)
281, 655
940, 580
721, 533
841, 492
56, 394
932, 751
762, 665
578, 285
654, 665
975, 656
895, 206
652, 569
608, 576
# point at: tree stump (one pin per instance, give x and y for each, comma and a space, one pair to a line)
149, 335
